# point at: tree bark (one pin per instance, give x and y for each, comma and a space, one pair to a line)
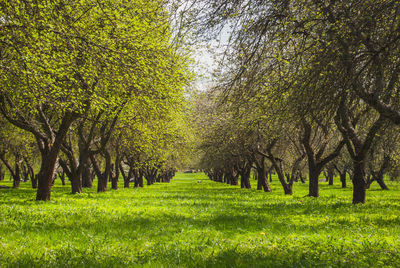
343, 179
46, 175
315, 161
359, 183
114, 174
2, 173
139, 179
277, 164
262, 176
25, 173
379, 175
35, 182
16, 176
49, 154
114, 171
102, 177
313, 189
356, 146
126, 177
14, 172
73, 172
62, 177
84, 165
287, 187
245, 177
330, 174
302, 179
76, 183
381, 183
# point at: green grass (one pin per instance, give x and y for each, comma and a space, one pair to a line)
191, 224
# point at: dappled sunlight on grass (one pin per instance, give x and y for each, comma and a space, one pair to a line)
199, 223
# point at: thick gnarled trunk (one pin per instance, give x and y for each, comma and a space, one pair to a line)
343, 179
84, 165
16, 177
50, 149
313, 187
245, 178
262, 180
139, 179
76, 183
114, 172
359, 182
102, 177
46, 174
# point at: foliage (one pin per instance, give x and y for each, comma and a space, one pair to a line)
66, 65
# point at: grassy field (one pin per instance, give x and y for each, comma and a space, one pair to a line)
194, 222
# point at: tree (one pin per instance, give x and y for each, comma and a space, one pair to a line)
16, 150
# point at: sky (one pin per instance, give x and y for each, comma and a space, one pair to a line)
207, 56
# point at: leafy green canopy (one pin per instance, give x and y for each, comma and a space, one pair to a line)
75, 55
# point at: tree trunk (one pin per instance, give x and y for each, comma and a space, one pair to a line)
234, 179
73, 174
302, 179
114, 173
287, 188
330, 174
245, 178
62, 176
2, 173
76, 183
84, 164
262, 177
14, 173
102, 177
114, 183
313, 189
279, 170
343, 179
114, 178
316, 161
34, 181
25, 173
379, 175
46, 175
16, 176
381, 183
126, 182
30, 172
138, 176
102, 183
359, 183
49, 153
149, 175
259, 181
127, 177
140, 179
149, 180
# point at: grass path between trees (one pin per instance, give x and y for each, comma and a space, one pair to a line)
194, 222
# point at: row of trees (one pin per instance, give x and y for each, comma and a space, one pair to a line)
93, 88
307, 87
